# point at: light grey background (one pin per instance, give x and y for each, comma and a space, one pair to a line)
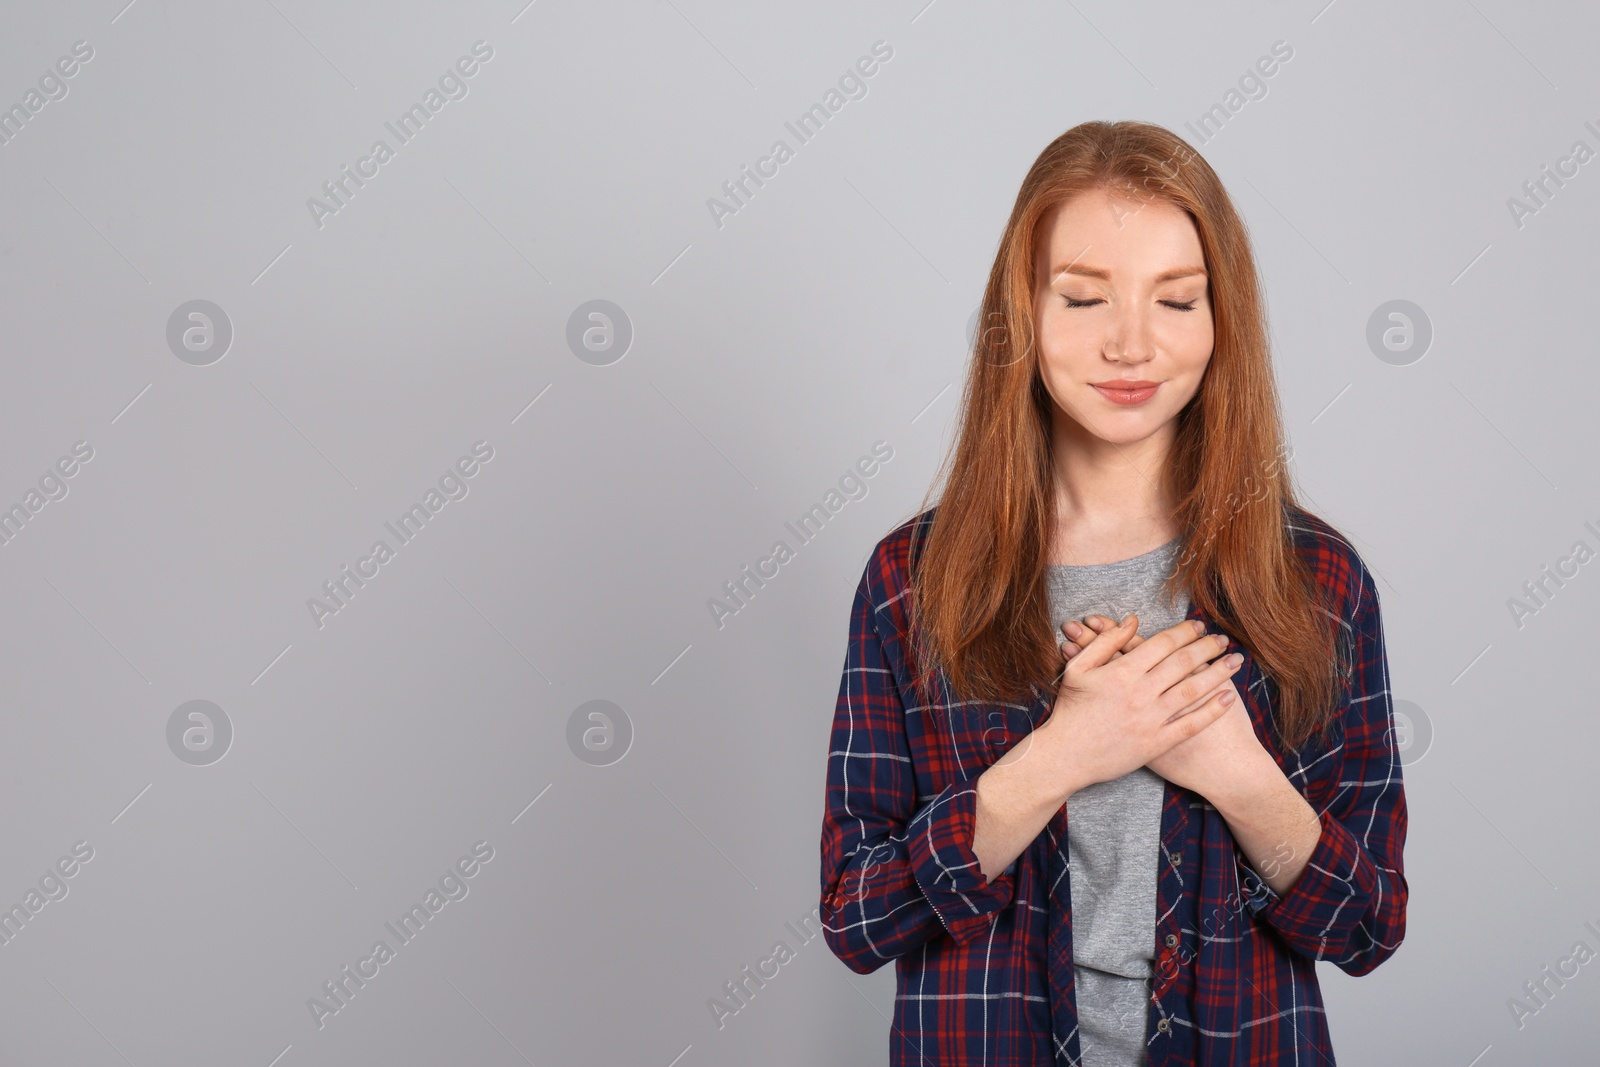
769, 353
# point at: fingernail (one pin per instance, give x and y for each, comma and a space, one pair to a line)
1234, 660
1073, 629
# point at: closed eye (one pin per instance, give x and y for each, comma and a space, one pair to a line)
1175, 305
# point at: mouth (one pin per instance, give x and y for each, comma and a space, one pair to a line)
1127, 393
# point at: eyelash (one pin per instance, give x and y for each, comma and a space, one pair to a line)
1173, 304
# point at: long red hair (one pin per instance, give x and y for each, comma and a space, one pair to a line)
981, 609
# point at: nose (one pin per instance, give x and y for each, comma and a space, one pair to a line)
1130, 339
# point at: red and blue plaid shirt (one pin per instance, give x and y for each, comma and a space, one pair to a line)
984, 971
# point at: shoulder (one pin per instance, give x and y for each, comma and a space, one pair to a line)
887, 579
1334, 563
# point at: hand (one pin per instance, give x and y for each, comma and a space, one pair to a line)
1079, 636
1225, 752
1118, 708
1097, 624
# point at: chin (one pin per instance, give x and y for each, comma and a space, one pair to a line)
1131, 433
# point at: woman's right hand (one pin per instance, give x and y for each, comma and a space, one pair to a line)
1116, 712
1081, 633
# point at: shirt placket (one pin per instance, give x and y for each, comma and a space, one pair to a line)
1058, 944
1175, 951
1177, 890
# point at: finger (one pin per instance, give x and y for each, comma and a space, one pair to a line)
1095, 624
1100, 650
1172, 655
1186, 726
1069, 650
1099, 623
1196, 684
1200, 666
1196, 705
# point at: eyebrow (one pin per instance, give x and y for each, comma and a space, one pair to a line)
1096, 272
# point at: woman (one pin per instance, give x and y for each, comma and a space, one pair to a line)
1134, 846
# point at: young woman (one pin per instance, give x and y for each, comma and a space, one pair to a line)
1133, 845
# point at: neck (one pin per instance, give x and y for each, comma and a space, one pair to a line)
1110, 497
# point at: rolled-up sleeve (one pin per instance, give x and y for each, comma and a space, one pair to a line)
894, 873
1348, 906
940, 849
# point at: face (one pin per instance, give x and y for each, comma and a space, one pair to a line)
1121, 296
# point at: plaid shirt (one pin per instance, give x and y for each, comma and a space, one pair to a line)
984, 971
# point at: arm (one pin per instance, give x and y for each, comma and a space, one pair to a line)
894, 873
1348, 904
1019, 794
1272, 823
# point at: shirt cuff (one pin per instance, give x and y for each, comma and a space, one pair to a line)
1326, 900
939, 847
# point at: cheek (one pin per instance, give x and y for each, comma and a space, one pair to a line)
1052, 345
1202, 339
1190, 340
1066, 347
1060, 363
1191, 351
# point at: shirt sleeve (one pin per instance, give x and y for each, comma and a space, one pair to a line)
1348, 906
894, 874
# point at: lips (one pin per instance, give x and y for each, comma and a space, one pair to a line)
1127, 393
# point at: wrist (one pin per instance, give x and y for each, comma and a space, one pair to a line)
1066, 774
1262, 784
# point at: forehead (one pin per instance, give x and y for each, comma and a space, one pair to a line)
1117, 232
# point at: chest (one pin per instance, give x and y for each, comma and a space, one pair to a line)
954, 740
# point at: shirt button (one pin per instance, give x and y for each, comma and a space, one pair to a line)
1172, 940
1175, 858
1163, 1026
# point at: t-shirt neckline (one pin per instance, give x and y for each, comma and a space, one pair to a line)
1140, 558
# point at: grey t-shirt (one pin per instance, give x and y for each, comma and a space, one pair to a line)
1114, 830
